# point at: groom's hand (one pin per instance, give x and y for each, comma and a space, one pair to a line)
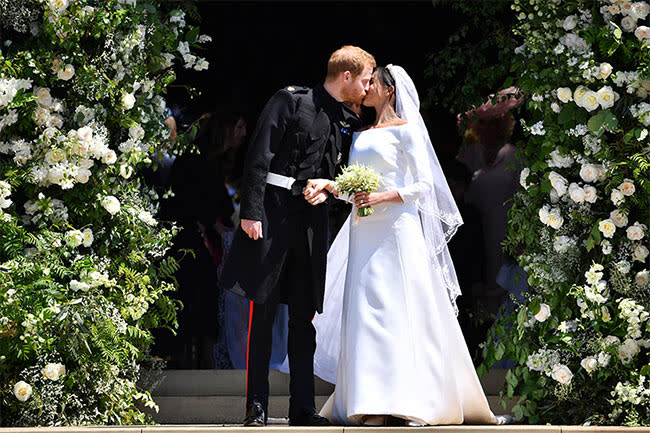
252, 228
315, 186
319, 198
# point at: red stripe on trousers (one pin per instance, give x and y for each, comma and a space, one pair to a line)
248, 346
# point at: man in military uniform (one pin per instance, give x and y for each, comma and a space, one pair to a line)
279, 253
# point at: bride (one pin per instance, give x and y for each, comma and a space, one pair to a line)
388, 336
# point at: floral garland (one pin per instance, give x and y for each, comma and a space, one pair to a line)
580, 338
83, 272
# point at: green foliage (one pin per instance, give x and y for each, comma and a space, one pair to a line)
476, 61
84, 269
579, 225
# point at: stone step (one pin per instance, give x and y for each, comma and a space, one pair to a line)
339, 429
233, 383
230, 409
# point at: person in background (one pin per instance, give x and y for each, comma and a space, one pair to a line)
202, 207
493, 162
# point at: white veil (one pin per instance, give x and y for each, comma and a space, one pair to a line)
439, 216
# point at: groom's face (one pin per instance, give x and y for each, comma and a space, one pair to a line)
355, 87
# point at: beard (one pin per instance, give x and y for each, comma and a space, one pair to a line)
353, 96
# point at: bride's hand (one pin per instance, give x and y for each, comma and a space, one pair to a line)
365, 199
315, 186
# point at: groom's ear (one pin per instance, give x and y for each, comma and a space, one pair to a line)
347, 76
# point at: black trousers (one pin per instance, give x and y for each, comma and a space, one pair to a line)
294, 287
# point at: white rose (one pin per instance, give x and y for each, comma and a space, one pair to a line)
570, 23
74, 238
558, 182
55, 175
22, 390
590, 364
83, 175
66, 73
562, 374
555, 219
617, 197
619, 218
544, 215
544, 313
564, 94
53, 371
85, 134
44, 96
88, 237
126, 171
136, 132
607, 228
642, 33
639, 10
58, 5
611, 340
636, 231
628, 350
578, 94
603, 359
41, 116
640, 253
589, 173
576, 193
590, 100
628, 24
627, 187
642, 278
606, 97
590, 194
54, 156
55, 121
111, 204
604, 70
128, 100
109, 157
555, 107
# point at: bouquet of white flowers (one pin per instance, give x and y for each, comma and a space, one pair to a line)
358, 178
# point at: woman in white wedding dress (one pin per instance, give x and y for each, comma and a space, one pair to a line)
388, 336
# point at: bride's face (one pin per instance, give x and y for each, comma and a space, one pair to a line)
377, 92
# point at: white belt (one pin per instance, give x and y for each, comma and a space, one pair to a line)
279, 180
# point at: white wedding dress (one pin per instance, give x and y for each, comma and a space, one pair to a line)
389, 337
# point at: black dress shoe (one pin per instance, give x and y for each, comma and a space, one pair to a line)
255, 416
312, 420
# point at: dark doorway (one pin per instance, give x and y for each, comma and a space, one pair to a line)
260, 47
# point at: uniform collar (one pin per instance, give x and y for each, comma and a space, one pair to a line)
338, 110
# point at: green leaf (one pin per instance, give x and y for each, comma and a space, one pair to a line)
192, 35
566, 116
596, 123
534, 306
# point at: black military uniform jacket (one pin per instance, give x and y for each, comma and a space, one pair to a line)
301, 133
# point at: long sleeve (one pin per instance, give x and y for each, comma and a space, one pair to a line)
417, 165
268, 135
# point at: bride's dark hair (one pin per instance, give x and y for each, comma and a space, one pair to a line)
386, 78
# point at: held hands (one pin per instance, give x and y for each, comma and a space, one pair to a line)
316, 190
252, 228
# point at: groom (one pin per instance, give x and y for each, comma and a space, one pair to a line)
279, 253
